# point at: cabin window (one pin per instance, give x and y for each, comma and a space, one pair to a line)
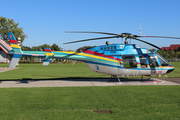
153, 61
143, 61
104, 48
108, 48
111, 47
129, 61
114, 47
162, 60
101, 48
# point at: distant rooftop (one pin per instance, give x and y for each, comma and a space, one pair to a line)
175, 47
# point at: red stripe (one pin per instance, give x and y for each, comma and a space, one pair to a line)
6, 45
88, 51
47, 50
4, 49
12, 41
100, 54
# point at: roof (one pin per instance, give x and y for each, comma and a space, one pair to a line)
172, 47
5, 47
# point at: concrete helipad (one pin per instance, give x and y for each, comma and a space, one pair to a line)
81, 82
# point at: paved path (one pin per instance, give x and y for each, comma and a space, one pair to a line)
4, 69
81, 82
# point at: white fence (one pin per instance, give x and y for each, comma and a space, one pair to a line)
173, 60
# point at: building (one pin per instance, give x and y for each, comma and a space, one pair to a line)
175, 47
5, 57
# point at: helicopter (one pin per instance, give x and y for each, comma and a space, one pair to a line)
112, 59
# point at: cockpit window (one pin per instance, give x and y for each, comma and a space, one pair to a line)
162, 60
153, 61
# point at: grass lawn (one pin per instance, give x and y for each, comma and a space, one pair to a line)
65, 71
78, 103
123, 102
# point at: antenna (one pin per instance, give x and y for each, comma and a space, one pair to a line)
140, 33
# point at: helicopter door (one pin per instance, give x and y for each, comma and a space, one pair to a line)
153, 64
130, 66
143, 61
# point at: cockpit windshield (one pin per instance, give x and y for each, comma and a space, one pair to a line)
162, 60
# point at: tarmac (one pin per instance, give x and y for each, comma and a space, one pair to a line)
82, 82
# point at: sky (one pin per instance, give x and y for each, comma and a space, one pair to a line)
45, 21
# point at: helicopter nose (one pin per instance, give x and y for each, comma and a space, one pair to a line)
170, 70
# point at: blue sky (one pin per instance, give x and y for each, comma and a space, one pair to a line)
45, 21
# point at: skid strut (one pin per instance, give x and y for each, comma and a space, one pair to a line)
153, 79
115, 76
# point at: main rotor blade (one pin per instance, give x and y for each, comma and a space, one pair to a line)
91, 32
147, 43
91, 39
158, 37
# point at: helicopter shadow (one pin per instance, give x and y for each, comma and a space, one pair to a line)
77, 79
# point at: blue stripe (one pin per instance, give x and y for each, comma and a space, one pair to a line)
17, 55
47, 60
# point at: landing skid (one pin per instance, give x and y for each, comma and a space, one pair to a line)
115, 76
153, 79
150, 78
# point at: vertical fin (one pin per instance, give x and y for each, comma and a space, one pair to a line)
17, 53
49, 56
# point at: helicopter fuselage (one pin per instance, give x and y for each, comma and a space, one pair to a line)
132, 61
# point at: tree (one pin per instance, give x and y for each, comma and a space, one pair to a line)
84, 48
55, 47
7, 25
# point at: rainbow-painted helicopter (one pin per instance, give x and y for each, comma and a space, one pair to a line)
112, 59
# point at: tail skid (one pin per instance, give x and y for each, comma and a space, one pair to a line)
17, 53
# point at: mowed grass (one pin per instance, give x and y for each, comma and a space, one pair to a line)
123, 102
52, 71
64, 71
78, 103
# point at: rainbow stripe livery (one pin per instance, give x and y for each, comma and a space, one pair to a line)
49, 56
114, 59
16, 50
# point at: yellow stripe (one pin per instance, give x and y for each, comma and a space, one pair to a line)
167, 67
84, 54
49, 54
14, 46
